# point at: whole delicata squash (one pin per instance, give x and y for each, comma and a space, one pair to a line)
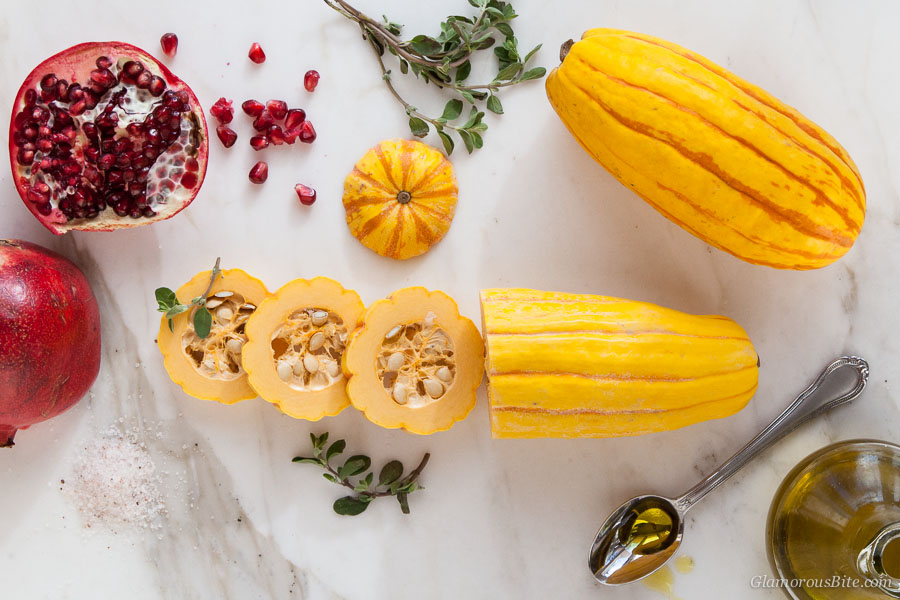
415, 363
296, 341
716, 155
400, 198
211, 368
573, 365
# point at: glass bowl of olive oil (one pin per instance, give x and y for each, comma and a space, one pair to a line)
834, 526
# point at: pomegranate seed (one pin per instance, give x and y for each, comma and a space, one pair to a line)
143, 79
157, 86
258, 142
275, 134
307, 132
226, 135
77, 108
263, 121
277, 108
306, 194
31, 97
259, 173
48, 82
222, 110
290, 136
294, 117
103, 62
256, 53
132, 68
169, 43
252, 108
311, 80
103, 78
189, 180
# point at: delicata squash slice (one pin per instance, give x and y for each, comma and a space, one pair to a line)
416, 363
211, 368
297, 340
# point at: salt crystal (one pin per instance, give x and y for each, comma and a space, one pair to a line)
115, 483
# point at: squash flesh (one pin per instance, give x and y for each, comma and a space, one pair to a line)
412, 305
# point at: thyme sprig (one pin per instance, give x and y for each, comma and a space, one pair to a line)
171, 306
391, 481
446, 61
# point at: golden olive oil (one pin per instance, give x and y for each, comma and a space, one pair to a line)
832, 525
650, 530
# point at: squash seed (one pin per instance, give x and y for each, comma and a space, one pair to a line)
333, 368
234, 345
398, 393
224, 294
284, 370
311, 363
433, 387
224, 314
319, 318
444, 374
317, 340
396, 361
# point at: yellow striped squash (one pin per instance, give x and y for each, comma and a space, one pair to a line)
572, 365
400, 198
716, 155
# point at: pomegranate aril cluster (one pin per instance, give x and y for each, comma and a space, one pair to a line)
52, 135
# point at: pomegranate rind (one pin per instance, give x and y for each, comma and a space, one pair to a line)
49, 336
177, 363
75, 64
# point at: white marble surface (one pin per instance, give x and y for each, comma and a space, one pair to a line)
499, 519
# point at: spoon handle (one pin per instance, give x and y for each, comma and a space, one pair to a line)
809, 404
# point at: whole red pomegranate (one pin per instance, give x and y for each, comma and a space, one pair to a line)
104, 136
49, 336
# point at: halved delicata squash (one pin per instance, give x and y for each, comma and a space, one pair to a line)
577, 365
297, 340
415, 363
211, 368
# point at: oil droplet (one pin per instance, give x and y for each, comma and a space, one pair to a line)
650, 530
684, 564
662, 581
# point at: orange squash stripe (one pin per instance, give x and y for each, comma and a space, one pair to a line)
796, 220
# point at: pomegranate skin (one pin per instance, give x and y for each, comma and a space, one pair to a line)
49, 336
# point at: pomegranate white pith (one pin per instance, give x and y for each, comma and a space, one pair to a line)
103, 136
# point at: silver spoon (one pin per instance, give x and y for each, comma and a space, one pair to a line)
628, 548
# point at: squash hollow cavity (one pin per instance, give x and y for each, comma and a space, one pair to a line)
307, 349
218, 355
416, 363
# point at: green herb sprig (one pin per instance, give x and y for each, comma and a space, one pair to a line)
445, 60
171, 306
391, 481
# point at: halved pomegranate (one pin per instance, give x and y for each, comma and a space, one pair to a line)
103, 136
